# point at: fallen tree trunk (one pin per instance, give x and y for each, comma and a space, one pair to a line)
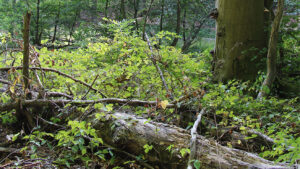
131, 133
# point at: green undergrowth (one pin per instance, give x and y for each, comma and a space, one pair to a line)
123, 66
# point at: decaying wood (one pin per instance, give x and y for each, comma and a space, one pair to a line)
62, 102
26, 50
193, 143
131, 133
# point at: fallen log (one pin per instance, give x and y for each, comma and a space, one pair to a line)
131, 133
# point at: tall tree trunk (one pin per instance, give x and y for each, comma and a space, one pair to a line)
94, 10
240, 38
272, 52
188, 42
136, 9
37, 40
56, 24
73, 26
12, 23
26, 40
21, 112
146, 18
162, 13
122, 10
106, 8
178, 23
184, 25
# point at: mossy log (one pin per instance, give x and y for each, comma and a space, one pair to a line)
130, 133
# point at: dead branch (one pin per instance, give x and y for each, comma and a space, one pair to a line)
58, 94
42, 102
193, 139
158, 69
9, 150
60, 73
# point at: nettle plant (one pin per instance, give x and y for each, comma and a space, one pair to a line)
276, 118
77, 141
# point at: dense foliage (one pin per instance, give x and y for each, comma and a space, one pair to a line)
113, 57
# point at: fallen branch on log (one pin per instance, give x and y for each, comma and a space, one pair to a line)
194, 139
131, 133
41, 102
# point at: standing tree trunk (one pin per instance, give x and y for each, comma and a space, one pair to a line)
21, 112
178, 23
272, 52
240, 39
184, 25
12, 23
94, 10
37, 39
122, 10
73, 26
56, 24
145, 20
136, 9
162, 13
106, 8
26, 50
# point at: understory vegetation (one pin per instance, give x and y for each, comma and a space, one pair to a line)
74, 88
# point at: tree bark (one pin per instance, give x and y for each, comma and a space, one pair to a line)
272, 52
26, 40
106, 8
37, 39
56, 24
131, 133
188, 42
178, 23
21, 111
122, 10
184, 25
162, 13
240, 39
146, 18
136, 9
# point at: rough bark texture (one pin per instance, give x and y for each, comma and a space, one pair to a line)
26, 50
122, 10
239, 39
272, 51
178, 23
21, 111
131, 133
37, 37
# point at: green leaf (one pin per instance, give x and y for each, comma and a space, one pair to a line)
197, 164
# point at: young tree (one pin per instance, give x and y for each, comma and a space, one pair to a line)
272, 51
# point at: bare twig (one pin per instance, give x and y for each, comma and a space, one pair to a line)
158, 69
83, 98
194, 139
58, 94
51, 123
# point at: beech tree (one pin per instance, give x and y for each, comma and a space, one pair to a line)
241, 38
